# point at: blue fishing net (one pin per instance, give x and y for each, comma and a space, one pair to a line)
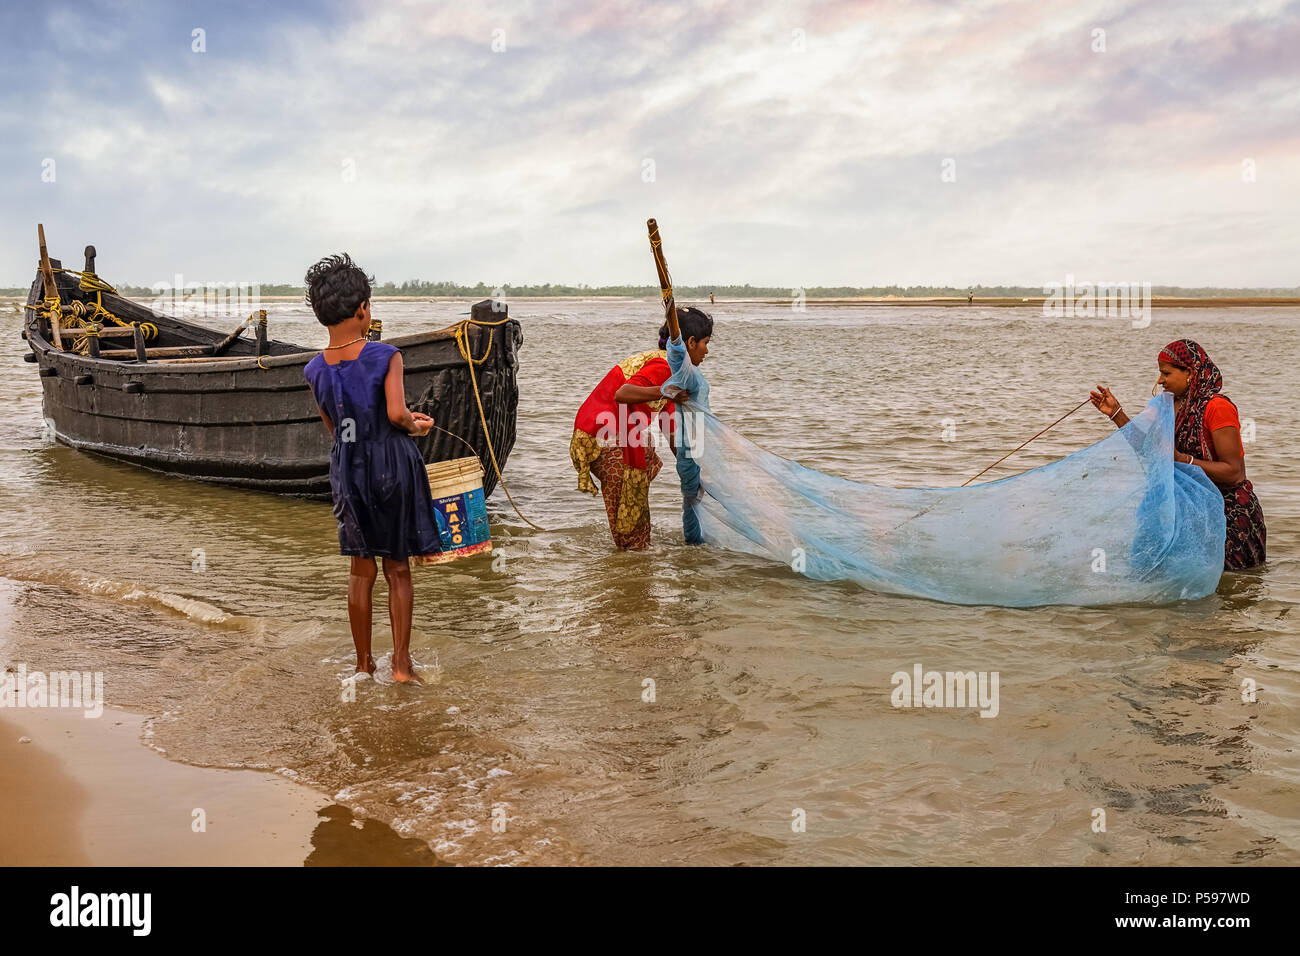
1117, 522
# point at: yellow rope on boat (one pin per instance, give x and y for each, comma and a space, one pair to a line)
462, 343
82, 315
52, 309
90, 281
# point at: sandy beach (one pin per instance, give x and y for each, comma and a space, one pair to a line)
87, 792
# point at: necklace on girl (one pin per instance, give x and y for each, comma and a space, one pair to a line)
329, 348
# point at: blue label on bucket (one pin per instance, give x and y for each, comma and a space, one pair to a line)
462, 520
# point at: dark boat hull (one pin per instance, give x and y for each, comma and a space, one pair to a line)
252, 422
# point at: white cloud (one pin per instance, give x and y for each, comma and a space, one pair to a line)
772, 165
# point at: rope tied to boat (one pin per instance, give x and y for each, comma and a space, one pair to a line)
461, 334
89, 281
81, 315
51, 306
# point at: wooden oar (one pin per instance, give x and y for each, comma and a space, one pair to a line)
665, 279
51, 290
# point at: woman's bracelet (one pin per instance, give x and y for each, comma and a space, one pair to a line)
1118, 409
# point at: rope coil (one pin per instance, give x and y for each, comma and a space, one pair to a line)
81, 315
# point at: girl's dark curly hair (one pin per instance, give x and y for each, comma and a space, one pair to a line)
694, 323
336, 288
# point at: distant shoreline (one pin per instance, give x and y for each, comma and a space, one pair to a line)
1157, 301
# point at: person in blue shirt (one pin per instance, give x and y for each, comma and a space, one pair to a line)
686, 337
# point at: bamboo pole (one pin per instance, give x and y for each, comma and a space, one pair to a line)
665, 279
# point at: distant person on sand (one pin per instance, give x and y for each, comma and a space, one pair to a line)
1207, 435
612, 441
377, 477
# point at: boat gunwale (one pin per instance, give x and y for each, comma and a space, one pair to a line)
43, 347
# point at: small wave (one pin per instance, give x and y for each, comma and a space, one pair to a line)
33, 569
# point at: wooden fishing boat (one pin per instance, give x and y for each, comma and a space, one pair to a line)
121, 380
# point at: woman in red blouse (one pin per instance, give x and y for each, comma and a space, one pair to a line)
613, 441
1207, 433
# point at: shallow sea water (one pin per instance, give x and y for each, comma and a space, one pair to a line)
771, 691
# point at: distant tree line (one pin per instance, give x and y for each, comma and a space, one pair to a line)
696, 293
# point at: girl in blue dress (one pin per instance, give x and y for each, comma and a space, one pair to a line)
377, 477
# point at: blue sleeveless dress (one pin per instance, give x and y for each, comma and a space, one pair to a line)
377, 477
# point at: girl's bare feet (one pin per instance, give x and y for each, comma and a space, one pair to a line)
368, 667
404, 671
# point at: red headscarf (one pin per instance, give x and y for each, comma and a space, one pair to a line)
1190, 436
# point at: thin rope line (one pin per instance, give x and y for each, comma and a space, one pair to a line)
1026, 442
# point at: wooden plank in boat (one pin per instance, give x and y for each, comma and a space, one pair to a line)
165, 352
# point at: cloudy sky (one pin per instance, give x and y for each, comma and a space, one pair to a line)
776, 142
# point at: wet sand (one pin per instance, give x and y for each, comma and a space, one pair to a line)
86, 792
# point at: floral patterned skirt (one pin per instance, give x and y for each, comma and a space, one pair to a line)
626, 490
1244, 545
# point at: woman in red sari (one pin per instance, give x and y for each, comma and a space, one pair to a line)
612, 441
1207, 433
